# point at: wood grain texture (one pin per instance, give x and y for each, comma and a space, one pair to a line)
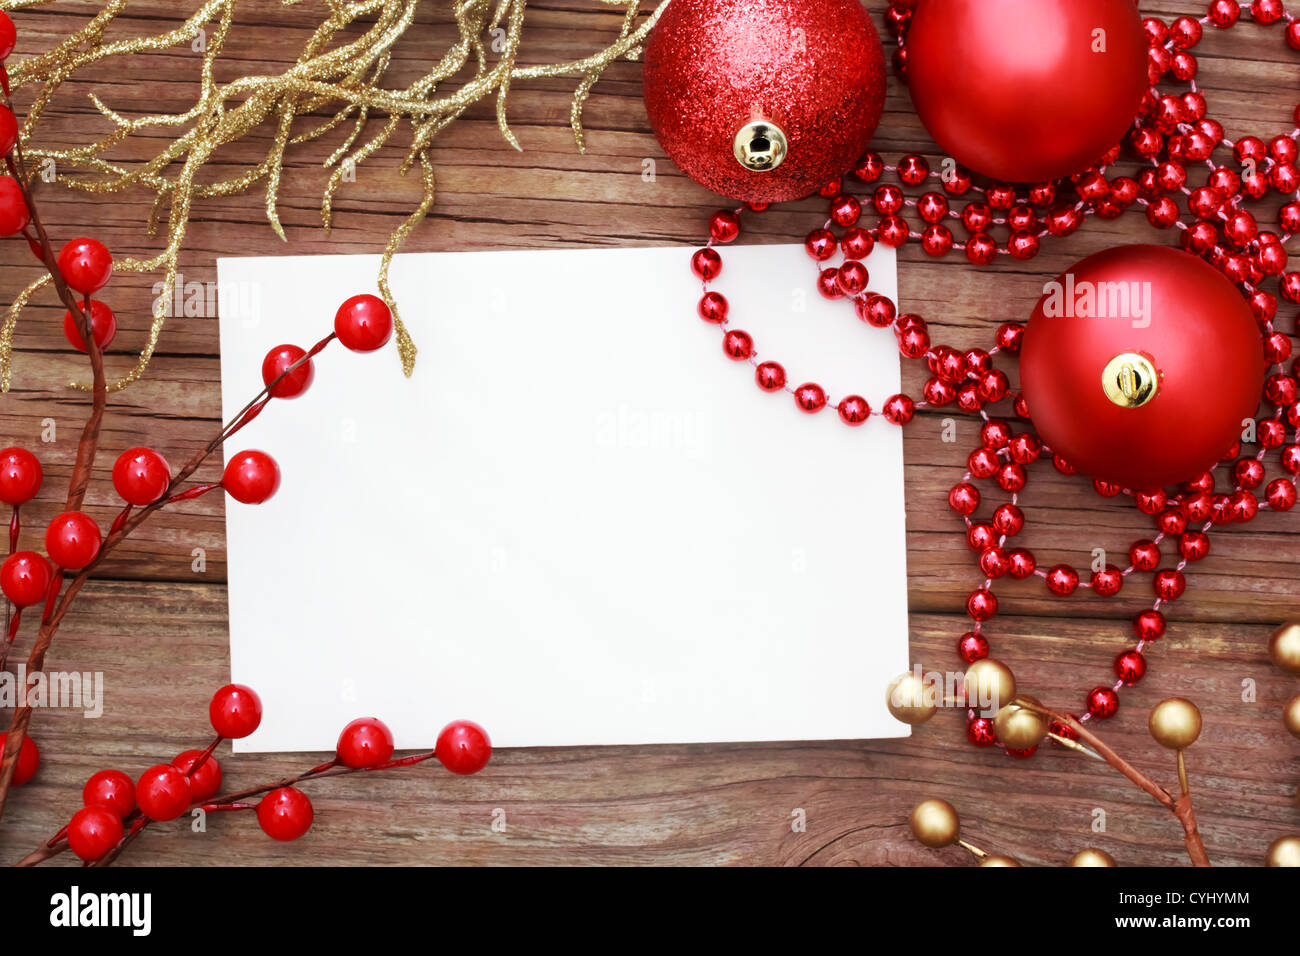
157, 629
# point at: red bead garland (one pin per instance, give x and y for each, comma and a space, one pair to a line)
1171, 134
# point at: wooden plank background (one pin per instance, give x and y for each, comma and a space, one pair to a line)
157, 629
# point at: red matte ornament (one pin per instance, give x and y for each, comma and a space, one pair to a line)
1185, 323
764, 100
1026, 90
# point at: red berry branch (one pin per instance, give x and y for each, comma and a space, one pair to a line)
116, 810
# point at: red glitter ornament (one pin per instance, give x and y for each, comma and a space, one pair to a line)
764, 100
1140, 364
1026, 90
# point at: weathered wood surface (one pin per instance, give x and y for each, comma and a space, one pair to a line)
156, 628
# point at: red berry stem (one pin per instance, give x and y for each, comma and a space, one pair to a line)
329, 769
86, 448
203, 757
191, 493
221, 807
14, 527
121, 518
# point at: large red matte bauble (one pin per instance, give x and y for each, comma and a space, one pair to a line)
813, 69
1150, 308
1026, 90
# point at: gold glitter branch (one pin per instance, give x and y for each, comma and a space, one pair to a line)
342, 79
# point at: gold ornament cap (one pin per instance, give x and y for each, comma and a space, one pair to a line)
934, 823
1019, 726
1091, 856
1130, 380
1284, 851
760, 146
1284, 648
1175, 723
909, 700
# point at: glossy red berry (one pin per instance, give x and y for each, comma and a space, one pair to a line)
14, 214
363, 323
93, 832
20, 476
112, 789
251, 477
972, 647
163, 792
365, 742
235, 711
25, 578
204, 782
72, 540
29, 760
103, 326
85, 265
141, 476
1149, 626
8, 36
463, 747
297, 381
285, 814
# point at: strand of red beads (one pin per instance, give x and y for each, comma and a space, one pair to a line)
1171, 133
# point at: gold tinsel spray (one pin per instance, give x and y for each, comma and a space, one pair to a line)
346, 78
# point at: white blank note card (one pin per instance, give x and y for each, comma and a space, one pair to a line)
578, 522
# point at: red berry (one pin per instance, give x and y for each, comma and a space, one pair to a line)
25, 578
365, 742
235, 711
29, 760
86, 265
141, 476
8, 131
20, 476
72, 540
103, 326
204, 782
463, 747
93, 832
14, 214
8, 36
112, 789
297, 381
363, 323
163, 792
251, 477
285, 814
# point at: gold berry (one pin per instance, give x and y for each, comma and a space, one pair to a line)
934, 823
1175, 723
